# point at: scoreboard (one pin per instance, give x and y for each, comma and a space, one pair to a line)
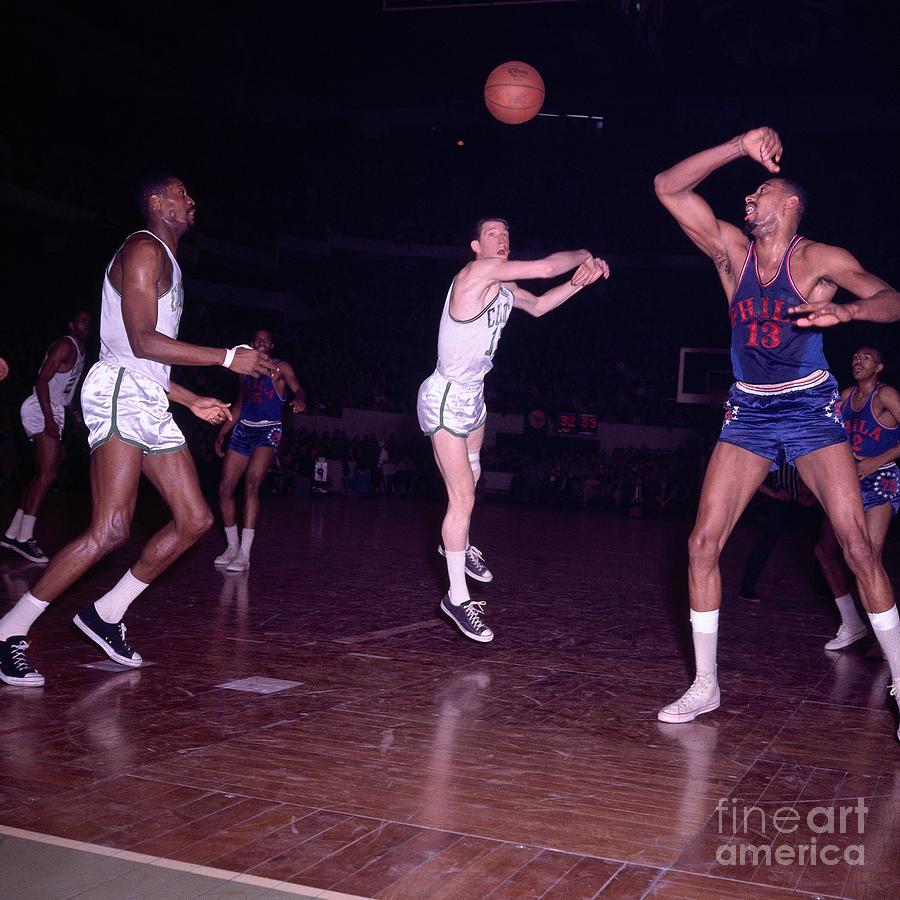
581, 424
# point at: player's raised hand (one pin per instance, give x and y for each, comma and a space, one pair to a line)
211, 410
589, 271
763, 145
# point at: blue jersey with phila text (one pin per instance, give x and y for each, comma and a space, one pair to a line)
868, 436
262, 403
767, 348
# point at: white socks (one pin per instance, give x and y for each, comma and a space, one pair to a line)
111, 607
247, 536
705, 628
231, 535
12, 533
886, 626
849, 615
26, 528
21, 617
456, 569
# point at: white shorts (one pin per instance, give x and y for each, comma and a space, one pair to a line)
33, 417
117, 402
457, 408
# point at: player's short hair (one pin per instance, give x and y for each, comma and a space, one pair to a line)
793, 189
150, 184
876, 352
476, 235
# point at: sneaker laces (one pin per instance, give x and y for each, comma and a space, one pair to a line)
122, 629
895, 690
702, 684
474, 611
472, 550
17, 651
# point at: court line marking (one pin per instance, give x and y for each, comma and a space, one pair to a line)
164, 863
388, 632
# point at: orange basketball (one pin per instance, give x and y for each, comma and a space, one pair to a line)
514, 92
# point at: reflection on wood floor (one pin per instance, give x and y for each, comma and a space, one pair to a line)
315, 721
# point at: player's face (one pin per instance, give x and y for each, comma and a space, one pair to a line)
865, 364
761, 208
81, 325
178, 208
262, 342
494, 241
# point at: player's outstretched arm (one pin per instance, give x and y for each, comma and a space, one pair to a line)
719, 240
589, 271
142, 262
876, 300
501, 269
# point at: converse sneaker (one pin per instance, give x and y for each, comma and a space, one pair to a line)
847, 635
701, 697
467, 618
29, 549
241, 563
108, 637
475, 567
228, 557
894, 692
14, 665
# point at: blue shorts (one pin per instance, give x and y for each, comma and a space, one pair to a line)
882, 486
246, 438
783, 427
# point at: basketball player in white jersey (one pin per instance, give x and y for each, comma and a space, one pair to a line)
43, 418
451, 406
125, 403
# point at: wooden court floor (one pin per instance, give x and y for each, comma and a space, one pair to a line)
315, 724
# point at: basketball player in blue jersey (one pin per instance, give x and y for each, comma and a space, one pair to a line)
125, 404
871, 413
43, 418
784, 403
256, 423
451, 406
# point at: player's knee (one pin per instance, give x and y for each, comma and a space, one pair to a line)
859, 553
252, 484
198, 522
703, 547
112, 533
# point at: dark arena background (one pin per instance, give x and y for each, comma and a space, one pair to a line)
314, 727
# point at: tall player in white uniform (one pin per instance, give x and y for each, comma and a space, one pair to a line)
43, 418
125, 402
451, 401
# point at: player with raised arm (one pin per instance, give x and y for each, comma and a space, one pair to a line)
451, 405
784, 404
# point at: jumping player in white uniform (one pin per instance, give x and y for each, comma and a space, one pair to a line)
451, 406
125, 402
43, 418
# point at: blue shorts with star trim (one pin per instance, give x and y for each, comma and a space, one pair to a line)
246, 438
783, 427
882, 486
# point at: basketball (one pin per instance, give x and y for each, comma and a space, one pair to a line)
514, 92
